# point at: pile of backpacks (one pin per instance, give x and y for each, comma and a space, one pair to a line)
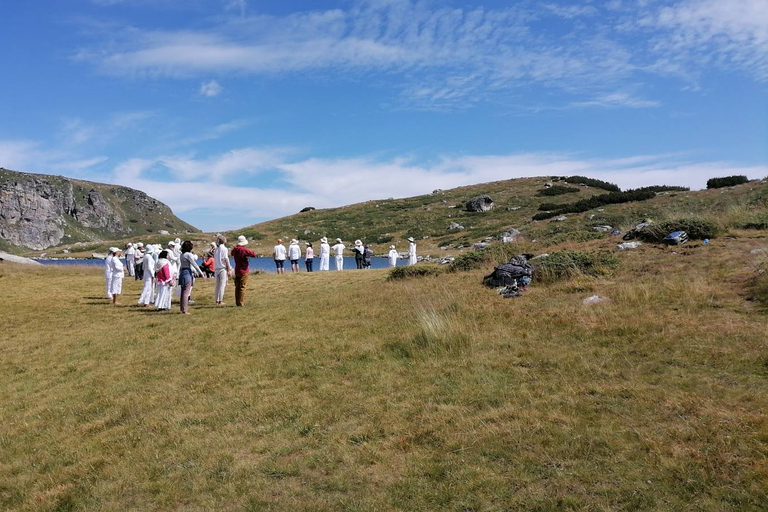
511, 277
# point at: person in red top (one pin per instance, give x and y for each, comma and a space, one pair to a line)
241, 254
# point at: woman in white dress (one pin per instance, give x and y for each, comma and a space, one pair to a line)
325, 254
393, 255
108, 271
118, 272
412, 251
148, 291
164, 282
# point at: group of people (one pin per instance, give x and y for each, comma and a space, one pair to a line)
175, 267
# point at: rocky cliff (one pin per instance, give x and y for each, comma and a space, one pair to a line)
39, 211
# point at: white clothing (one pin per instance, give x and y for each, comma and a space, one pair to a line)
173, 262
220, 258
221, 284
148, 290
339, 262
130, 259
412, 254
325, 249
294, 252
279, 252
338, 249
310, 253
163, 300
116, 285
393, 255
325, 253
108, 274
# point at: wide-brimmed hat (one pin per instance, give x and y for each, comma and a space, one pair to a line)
113, 249
338, 240
140, 245
172, 243
241, 240
129, 244
117, 249
178, 241
391, 246
150, 250
324, 240
358, 242
294, 241
410, 239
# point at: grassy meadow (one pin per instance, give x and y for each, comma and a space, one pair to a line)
349, 391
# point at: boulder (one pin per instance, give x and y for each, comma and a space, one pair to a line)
603, 229
455, 226
480, 204
307, 209
163, 232
4, 256
510, 235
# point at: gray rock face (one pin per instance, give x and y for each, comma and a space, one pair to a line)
39, 211
455, 226
480, 204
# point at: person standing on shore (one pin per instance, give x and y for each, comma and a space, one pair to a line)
411, 251
278, 254
130, 258
338, 251
138, 264
189, 270
164, 276
108, 270
221, 268
241, 254
367, 255
358, 249
309, 254
294, 254
148, 269
118, 272
325, 254
393, 255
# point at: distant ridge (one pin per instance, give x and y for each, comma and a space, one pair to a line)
38, 211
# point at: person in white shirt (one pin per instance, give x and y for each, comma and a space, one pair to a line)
108, 270
309, 254
118, 272
279, 253
325, 254
221, 268
130, 259
294, 254
338, 251
411, 251
393, 255
148, 269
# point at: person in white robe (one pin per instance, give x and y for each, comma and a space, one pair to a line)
118, 273
325, 254
164, 278
130, 258
412, 251
108, 271
393, 255
338, 252
148, 290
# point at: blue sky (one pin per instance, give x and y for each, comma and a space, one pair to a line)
238, 111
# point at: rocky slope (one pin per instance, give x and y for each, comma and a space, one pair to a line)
39, 211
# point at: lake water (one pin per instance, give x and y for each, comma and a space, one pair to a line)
265, 264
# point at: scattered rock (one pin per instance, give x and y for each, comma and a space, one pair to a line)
549, 184
595, 299
480, 204
437, 191
455, 226
758, 251
163, 232
4, 256
625, 246
510, 235
480, 245
307, 209
561, 218
513, 208
616, 232
540, 256
446, 259
603, 229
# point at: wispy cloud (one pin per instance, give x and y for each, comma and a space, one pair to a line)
616, 99
210, 89
31, 156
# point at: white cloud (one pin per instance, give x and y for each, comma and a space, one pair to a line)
616, 99
210, 89
31, 156
236, 5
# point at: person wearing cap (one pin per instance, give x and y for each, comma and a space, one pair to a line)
278, 254
411, 251
189, 269
130, 258
241, 253
325, 254
164, 277
148, 278
338, 252
358, 249
294, 254
393, 255
118, 272
108, 270
309, 255
221, 268
138, 263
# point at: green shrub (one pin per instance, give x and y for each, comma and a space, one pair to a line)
596, 202
469, 261
566, 264
570, 236
557, 190
414, 271
590, 182
665, 188
697, 229
728, 181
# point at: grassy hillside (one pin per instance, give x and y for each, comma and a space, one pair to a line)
349, 391
428, 217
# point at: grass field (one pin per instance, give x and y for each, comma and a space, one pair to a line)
346, 391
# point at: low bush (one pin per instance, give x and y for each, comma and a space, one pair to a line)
590, 182
557, 190
566, 264
697, 229
595, 202
469, 261
414, 271
728, 181
665, 188
570, 236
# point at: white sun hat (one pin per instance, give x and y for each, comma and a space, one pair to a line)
410, 239
391, 246
358, 242
241, 240
338, 240
324, 240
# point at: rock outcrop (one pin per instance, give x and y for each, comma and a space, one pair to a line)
480, 204
39, 211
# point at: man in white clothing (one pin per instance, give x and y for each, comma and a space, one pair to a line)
325, 254
411, 251
108, 271
294, 254
221, 268
338, 251
148, 278
130, 259
279, 253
